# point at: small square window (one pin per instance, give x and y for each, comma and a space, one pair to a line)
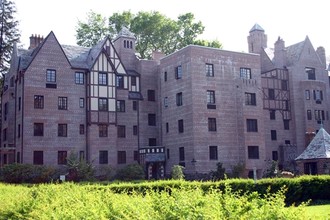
253, 152
245, 73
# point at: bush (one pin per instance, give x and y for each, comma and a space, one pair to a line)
131, 172
79, 170
28, 173
219, 174
177, 172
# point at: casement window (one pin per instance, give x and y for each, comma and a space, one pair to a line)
252, 125
103, 104
62, 157
62, 130
152, 119
179, 99
103, 79
121, 131
38, 157
38, 129
209, 70
51, 76
133, 80
178, 72
151, 95
213, 150
103, 130
271, 94
180, 126
181, 154
245, 73
62, 103
273, 135
212, 124
39, 101
103, 157
250, 99
135, 130
120, 106
310, 73
210, 97
81, 129
253, 152
81, 102
120, 82
79, 78
272, 114
121, 157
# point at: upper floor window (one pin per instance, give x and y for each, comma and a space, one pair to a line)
121, 131
250, 99
133, 80
38, 129
103, 130
62, 157
271, 94
180, 126
273, 135
318, 96
81, 102
151, 95
309, 115
38, 101
209, 70
212, 124
152, 119
103, 104
121, 157
213, 150
51, 75
178, 72
62, 130
179, 99
62, 103
253, 152
135, 105
210, 97
165, 102
245, 73
120, 82
103, 79
310, 73
252, 125
272, 114
120, 105
79, 78
284, 84
307, 95
165, 76
103, 157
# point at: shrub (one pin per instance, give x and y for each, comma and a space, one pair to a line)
219, 174
131, 172
79, 170
177, 172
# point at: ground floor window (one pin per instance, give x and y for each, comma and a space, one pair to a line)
310, 168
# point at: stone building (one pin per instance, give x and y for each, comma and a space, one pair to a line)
195, 107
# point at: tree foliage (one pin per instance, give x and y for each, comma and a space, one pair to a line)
153, 31
9, 33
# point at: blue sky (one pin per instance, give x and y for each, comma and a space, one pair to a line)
228, 21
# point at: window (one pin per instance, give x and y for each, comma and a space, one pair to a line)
38, 101
120, 82
178, 72
165, 102
103, 79
273, 135
152, 141
6, 110
134, 105
287, 142
179, 99
245, 73
165, 76
103, 130
81, 129
62, 157
18, 130
168, 153
209, 70
81, 102
307, 95
181, 154
81, 155
318, 96
79, 78
319, 115
62, 130
38, 157
213, 152
167, 127
250, 99
271, 94
284, 84
310, 73
136, 155
275, 155
253, 152
4, 134
309, 115
152, 119
286, 124
103, 157
38, 129
135, 129
19, 103
210, 97
272, 114
62, 103
151, 95
180, 126
121, 157
120, 106
121, 131
252, 125
212, 124
133, 80
103, 104
51, 76
310, 168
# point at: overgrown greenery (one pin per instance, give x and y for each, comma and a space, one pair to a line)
131, 172
177, 172
71, 201
153, 31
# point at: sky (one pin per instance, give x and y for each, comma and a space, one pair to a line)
228, 21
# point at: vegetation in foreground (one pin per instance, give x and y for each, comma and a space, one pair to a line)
73, 201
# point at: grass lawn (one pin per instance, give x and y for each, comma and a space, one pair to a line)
318, 211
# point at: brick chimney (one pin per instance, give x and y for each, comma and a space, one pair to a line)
35, 41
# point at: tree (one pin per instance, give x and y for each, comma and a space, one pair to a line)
9, 34
153, 31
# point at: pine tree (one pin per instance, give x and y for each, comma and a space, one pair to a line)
9, 34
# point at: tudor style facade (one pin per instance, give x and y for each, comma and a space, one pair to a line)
195, 107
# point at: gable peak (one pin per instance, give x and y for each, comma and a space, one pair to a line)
256, 27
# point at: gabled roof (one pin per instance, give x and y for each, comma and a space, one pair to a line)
256, 27
319, 148
294, 51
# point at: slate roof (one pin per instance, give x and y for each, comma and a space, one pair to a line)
319, 148
256, 27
